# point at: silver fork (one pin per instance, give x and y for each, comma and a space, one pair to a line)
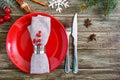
67, 60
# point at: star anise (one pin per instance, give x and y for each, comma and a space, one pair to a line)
92, 37
87, 23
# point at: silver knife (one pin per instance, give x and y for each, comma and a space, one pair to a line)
74, 35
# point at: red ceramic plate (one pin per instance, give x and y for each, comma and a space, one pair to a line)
19, 45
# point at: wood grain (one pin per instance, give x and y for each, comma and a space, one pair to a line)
98, 60
84, 74
88, 59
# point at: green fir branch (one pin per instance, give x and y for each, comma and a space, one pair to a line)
107, 5
11, 2
7, 3
4, 4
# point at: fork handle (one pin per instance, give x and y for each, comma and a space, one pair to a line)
67, 59
67, 63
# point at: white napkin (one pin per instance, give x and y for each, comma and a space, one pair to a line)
39, 59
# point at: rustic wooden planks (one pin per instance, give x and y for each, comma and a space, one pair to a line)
98, 60
84, 74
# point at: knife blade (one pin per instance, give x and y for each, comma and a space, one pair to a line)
74, 35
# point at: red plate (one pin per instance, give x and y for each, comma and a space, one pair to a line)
19, 45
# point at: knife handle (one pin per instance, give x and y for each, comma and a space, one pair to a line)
75, 62
67, 63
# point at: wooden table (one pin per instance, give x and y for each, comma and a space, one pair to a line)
98, 60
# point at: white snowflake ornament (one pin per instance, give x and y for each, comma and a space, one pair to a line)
58, 4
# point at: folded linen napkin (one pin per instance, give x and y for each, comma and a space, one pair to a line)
39, 31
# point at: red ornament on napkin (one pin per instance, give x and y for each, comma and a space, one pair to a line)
39, 31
